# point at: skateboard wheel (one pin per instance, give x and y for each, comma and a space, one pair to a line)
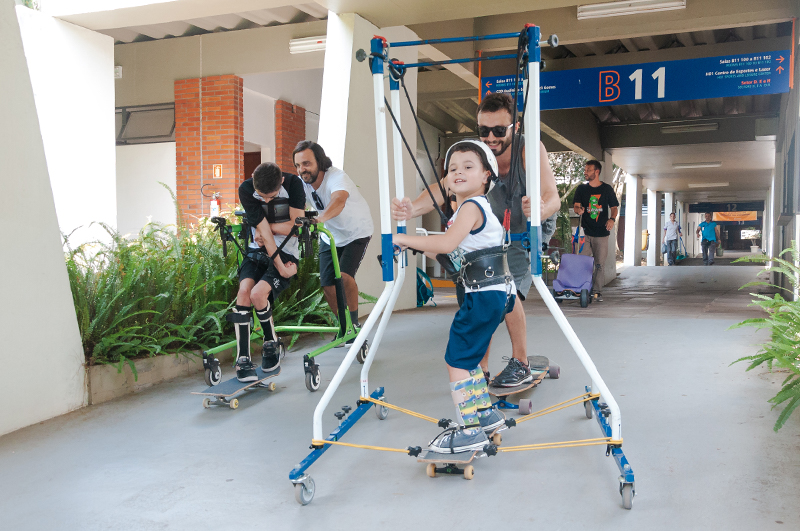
626, 490
497, 439
312, 380
234, 403
589, 409
271, 386
304, 494
362, 353
525, 406
431, 470
469, 472
206, 403
554, 371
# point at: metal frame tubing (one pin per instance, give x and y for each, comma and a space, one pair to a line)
494, 36
394, 90
532, 161
376, 48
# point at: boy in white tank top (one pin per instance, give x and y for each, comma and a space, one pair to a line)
470, 168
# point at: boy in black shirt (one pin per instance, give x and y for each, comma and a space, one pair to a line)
593, 201
272, 200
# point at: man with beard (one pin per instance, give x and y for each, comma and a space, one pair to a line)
345, 214
496, 130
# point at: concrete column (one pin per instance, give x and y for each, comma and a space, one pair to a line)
37, 315
654, 227
633, 220
610, 267
347, 129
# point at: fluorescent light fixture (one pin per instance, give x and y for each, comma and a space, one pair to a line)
629, 7
308, 44
693, 165
690, 128
708, 185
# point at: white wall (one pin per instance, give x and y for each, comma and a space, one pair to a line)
71, 70
259, 122
140, 197
41, 358
347, 131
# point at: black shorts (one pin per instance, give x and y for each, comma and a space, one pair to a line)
269, 274
350, 257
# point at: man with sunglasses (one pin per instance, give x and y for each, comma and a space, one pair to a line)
496, 130
345, 213
272, 200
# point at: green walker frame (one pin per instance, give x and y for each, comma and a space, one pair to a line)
307, 230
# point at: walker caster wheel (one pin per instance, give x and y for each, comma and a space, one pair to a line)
525, 406
431, 470
206, 403
626, 489
381, 411
304, 492
213, 376
587, 406
554, 372
313, 379
234, 403
362, 353
497, 439
469, 472
271, 386
585, 298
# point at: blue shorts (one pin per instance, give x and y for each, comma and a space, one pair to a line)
473, 326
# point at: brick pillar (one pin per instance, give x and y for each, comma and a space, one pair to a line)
208, 131
290, 128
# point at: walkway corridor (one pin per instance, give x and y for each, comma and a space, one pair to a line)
697, 431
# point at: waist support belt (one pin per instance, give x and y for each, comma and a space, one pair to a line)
478, 269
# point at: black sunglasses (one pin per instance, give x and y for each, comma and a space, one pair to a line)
317, 200
499, 131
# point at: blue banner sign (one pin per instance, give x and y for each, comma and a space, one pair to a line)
688, 79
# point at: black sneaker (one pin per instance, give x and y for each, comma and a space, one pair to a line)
245, 370
598, 297
515, 373
270, 356
458, 439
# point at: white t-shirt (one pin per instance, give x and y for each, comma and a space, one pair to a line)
490, 234
354, 221
672, 229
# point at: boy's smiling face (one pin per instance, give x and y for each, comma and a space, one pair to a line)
466, 175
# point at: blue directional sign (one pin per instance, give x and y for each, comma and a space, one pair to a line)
688, 79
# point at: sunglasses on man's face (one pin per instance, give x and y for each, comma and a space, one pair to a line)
317, 200
499, 131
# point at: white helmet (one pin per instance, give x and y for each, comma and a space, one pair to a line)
487, 157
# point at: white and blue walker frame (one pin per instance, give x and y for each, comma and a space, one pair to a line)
597, 399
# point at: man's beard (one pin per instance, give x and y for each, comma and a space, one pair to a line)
309, 178
503, 147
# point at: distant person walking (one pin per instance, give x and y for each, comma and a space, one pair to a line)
599, 202
710, 232
672, 230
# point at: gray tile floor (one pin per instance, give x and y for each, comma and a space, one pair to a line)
697, 432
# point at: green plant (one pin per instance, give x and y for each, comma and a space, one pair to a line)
167, 290
783, 322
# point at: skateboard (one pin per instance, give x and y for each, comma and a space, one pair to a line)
540, 367
222, 393
450, 462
